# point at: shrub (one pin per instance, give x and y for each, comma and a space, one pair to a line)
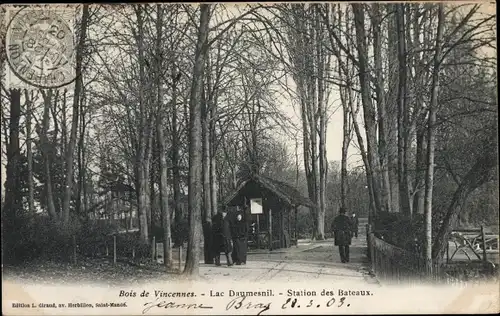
39, 237
404, 231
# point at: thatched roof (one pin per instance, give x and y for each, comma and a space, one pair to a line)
287, 193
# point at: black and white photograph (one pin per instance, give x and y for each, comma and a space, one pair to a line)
260, 158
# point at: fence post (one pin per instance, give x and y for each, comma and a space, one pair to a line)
373, 255
114, 249
483, 243
367, 227
74, 249
448, 252
153, 250
373, 250
180, 258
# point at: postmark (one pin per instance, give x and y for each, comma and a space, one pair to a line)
40, 46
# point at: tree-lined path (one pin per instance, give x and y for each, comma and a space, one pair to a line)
388, 110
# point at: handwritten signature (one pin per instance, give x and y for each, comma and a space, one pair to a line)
168, 304
239, 302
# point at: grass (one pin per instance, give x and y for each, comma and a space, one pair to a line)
87, 270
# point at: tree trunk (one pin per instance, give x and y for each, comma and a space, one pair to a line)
151, 175
431, 142
64, 129
479, 174
308, 63
176, 179
13, 197
373, 167
403, 127
346, 139
418, 202
346, 100
80, 163
84, 181
195, 147
12, 219
207, 202
131, 207
312, 108
392, 108
165, 214
364, 156
142, 204
419, 117
29, 154
51, 209
162, 147
308, 166
141, 166
213, 176
323, 164
74, 123
381, 108
213, 168
150, 192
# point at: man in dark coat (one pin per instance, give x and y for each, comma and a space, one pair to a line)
221, 241
342, 227
355, 224
239, 235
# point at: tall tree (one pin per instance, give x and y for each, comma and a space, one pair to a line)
381, 107
403, 126
207, 197
195, 146
46, 157
429, 174
69, 155
309, 65
29, 152
162, 144
13, 203
369, 112
142, 162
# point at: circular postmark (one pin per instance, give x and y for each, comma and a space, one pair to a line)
40, 47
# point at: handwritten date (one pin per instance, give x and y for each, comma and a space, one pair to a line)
294, 303
241, 302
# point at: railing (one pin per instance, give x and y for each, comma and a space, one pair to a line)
392, 264
481, 244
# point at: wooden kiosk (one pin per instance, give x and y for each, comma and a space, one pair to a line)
271, 210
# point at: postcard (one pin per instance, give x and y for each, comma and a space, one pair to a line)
257, 158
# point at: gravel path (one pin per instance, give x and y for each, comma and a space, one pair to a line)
309, 261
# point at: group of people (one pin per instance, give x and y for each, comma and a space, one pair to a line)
344, 227
230, 235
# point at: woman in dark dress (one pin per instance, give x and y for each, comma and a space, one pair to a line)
239, 235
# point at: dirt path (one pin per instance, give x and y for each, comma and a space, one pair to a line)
309, 261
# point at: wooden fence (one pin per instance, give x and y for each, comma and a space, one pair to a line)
392, 264
124, 247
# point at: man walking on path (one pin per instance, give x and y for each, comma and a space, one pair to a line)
355, 224
342, 228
